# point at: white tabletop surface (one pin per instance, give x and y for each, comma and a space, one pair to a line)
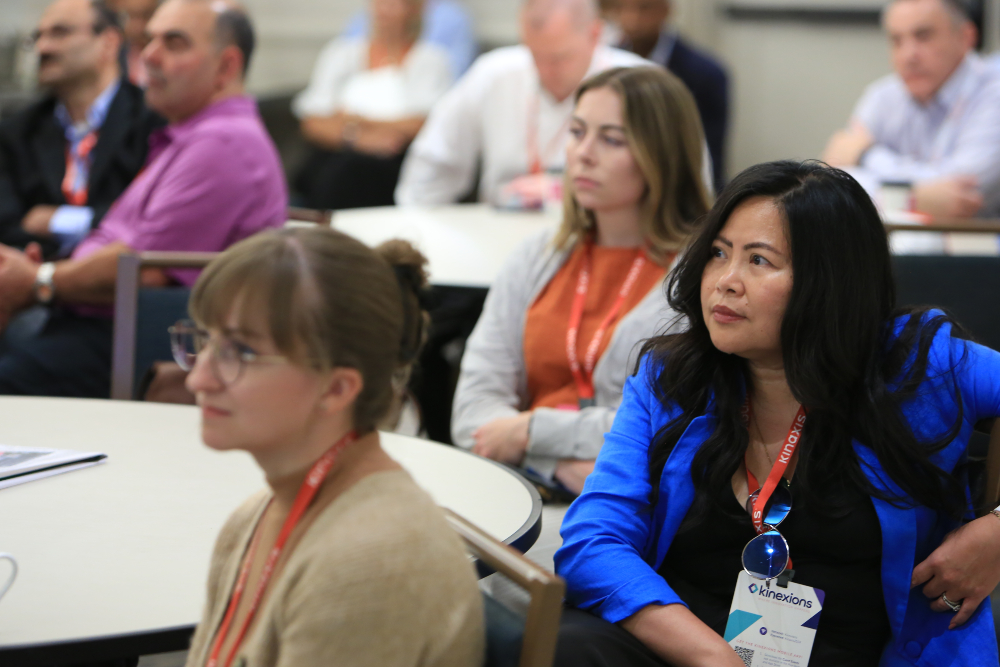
465, 244
123, 547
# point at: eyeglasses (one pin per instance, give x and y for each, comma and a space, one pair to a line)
766, 556
226, 357
58, 33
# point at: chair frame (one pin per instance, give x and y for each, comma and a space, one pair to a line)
127, 286
991, 493
541, 628
959, 225
322, 218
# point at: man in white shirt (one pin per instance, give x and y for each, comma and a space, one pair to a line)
934, 123
511, 109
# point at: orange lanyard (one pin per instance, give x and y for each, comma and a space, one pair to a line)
317, 474
536, 159
584, 377
76, 192
777, 470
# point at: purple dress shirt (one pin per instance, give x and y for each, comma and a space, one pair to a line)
208, 182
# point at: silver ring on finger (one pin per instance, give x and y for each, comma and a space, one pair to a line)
954, 606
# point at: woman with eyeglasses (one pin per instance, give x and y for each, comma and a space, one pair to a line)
803, 440
298, 338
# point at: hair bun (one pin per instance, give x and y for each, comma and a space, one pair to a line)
410, 267
409, 263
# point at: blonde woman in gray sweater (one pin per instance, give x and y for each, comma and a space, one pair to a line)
543, 371
297, 339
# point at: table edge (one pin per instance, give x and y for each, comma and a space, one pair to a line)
178, 638
92, 649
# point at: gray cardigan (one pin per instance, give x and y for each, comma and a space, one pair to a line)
493, 380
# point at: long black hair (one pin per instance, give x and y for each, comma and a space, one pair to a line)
842, 359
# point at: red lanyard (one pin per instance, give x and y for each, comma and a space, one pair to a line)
536, 158
317, 474
584, 377
76, 192
777, 470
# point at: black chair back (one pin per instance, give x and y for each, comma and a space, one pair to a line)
967, 288
156, 310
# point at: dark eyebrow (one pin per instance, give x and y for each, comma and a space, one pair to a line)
176, 34
750, 246
765, 246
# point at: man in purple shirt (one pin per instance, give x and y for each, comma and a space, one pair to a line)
212, 178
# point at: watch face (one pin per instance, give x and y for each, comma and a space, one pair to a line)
44, 290
44, 293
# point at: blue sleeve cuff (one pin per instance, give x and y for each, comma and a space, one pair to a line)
636, 595
70, 224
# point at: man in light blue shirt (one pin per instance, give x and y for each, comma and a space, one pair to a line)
935, 123
446, 23
71, 222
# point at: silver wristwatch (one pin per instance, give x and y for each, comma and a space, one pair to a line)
44, 289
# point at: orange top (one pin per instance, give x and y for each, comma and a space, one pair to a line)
550, 382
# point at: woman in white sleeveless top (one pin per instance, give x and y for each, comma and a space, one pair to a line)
366, 101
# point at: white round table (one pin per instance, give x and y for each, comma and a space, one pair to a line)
465, 244
114, 558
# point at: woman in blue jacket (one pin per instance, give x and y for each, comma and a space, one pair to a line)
798, 380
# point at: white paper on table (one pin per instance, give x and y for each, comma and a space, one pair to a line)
17, 462
49, 472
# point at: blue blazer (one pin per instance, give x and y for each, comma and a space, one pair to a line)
613, 545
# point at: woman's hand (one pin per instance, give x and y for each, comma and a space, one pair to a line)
503, 440
680, 638
966, 567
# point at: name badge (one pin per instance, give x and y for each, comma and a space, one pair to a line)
773, 626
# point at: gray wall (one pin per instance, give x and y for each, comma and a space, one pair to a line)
794, 83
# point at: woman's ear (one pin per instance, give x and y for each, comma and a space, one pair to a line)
342, 389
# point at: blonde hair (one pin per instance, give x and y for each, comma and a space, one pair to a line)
328, 301
664, 134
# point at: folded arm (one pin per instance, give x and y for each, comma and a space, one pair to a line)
608, 540
91, 280
966, 567
377, 137
492, 384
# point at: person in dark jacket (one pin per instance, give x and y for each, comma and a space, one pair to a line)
65, 158
645, 32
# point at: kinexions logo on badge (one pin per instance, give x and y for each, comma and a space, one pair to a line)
787, 598
753, 588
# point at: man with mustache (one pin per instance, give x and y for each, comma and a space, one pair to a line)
66, 158
933, 124
212, 177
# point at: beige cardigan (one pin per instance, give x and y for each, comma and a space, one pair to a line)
379, 579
